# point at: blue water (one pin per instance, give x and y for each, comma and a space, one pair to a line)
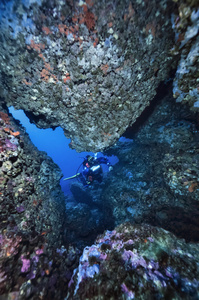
55, 144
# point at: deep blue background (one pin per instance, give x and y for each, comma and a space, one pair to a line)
55, 144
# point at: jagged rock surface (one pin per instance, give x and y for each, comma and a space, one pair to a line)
91, 68
34, 260
159, 173
137, 262
185, 23
87, 215
156, 180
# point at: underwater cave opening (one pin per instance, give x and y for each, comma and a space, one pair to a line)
55, 144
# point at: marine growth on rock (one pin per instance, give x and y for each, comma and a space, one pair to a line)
136, 262
100, 70
90, 67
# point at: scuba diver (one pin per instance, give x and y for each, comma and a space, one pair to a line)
92, 170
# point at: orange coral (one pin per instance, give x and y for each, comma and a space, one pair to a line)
151, 27
63, 28
38, 47
26, 82
104, 68
6, 129
44, 75
4, 117
106, 135
131, 10
48, 67
35, 202
95, 42
66, 78
192, 187
75, 19
41, 55
16, 133
47, 272
90, 20
46, 30
85, 8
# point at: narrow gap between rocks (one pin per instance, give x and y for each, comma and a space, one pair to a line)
55, 144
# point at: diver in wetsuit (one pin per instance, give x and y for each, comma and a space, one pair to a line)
92, 170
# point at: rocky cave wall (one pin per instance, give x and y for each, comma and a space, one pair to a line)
90, 67
156, 180
186, 27
145, 187
35, 259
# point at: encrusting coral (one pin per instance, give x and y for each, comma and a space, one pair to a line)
137, 262
31, 222
118, 53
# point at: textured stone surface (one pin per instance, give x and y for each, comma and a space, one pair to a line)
34, 264
185, 23
137, 262
87, 215
90, 68
157, 177
156, 180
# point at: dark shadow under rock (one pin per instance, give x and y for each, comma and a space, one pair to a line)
81, 194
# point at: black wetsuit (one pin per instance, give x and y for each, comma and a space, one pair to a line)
92, 169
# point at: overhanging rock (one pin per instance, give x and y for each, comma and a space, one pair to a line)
90, 67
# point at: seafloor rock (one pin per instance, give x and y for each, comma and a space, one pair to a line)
137, 262
87, 216
90, 67
34, 264
186, 27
